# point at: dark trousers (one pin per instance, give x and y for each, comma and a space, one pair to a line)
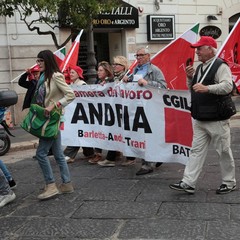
72, 151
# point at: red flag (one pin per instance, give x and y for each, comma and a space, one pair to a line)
230, 52
178, 127
172, 59
72, 55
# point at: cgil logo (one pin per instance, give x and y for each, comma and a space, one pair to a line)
176, 101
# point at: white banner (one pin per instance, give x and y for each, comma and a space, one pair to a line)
153, 124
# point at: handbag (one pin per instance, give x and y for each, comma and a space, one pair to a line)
37, 124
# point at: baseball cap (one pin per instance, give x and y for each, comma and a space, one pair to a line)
35, 69
78, 70
205, 41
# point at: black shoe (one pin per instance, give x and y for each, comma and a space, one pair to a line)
143, 171
182, 186
225, 189
158, 164
12, 184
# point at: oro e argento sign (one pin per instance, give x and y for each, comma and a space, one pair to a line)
124, 16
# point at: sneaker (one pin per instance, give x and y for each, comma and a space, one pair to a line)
106, 163
5, 199
69, 160
182, 186
66, 188
12, 184
225, 189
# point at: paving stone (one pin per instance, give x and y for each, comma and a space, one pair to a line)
235, 212
68, 228
51, 208
193, 211
223, 230
115, 209
104, 193
9, 225
162, 229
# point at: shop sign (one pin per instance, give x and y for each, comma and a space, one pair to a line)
124, 16
212, 31
160, 27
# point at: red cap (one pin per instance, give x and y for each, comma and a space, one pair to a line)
35, 69
78, 70
205, 41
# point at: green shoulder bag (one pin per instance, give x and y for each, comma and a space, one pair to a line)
37, 124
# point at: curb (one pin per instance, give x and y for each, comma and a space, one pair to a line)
23, 145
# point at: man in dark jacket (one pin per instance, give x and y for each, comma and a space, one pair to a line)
212, 124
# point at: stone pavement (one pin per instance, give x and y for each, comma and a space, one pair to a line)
114, 203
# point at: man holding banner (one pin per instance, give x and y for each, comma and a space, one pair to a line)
146, 74
210, 86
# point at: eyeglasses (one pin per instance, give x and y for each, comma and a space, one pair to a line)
117, 64
39, 60
140, 55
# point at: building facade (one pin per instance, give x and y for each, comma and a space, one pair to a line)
152, 23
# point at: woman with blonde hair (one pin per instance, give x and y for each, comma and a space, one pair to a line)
105, 74
120, 67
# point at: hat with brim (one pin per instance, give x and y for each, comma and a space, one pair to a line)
78, 70
205, 41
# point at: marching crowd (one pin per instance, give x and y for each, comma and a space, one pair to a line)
50, 90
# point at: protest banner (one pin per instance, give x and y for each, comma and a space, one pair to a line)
150, 123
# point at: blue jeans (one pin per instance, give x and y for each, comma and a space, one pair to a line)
5, 171
4, 187
43, 160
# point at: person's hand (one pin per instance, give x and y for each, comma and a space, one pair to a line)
199, 87
102, 82
125, 78
190, 71
48, 109
142, 82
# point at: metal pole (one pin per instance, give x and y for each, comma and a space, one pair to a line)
91, 60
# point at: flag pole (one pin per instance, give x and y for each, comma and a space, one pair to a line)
221, 48
73, 48
32, 67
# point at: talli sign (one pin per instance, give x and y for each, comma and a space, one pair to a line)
124, 16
